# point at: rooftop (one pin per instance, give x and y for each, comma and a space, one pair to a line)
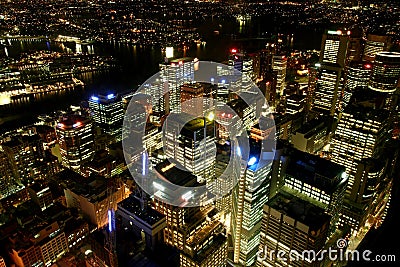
315, 171
132, 205
300, 210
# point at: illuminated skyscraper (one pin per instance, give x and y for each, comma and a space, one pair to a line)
249, 196
194, 231
359, 134
328, 89
191, 91
76, 140
357, 75
386, 72
108, 114
173, 74
374, 45
310, 178
359, 146
291, 224
279, 64
334, 47
194, 146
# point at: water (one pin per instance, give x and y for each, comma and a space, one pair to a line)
137, 63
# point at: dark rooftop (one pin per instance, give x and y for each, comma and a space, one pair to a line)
176, 175
149, 215
299, 209
315, 171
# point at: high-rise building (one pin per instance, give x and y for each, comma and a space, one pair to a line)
385, 75
142, 219
311, 178
248, 198
328, 89
279, 64
295, 103
312, 136
207, 247
191, 105
358, 135
357, 75
76, 140
358, 145
334, 47
108, 114
193, 146
374, 45
173, 74
189, 229
291, 224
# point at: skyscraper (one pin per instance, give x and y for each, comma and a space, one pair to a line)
108, 114
194, 146
386, 72
279, 64
291, 224
328, 90
76, 140
334, 47
173, 74
248, 198
374, 45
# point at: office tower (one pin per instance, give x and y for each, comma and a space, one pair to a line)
191, 105
248, 198
247, 110
26, 156
91, 195
279, 64
186, 227
328, 89
355, 44
142, 219
206, 248
334, 47
107, 113
358, 143
312, 84
358, 135
311, 178
312, 136
173, 74
8, 184
385, 72
357, 75
236, 59
76, 140
295, 103
2, 262
193, 146
292, 224
376, 44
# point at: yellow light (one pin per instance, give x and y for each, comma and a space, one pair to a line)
169, 52
4, 99
211, 116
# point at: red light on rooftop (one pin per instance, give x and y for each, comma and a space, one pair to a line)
267, 83
233, 50
367, 66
